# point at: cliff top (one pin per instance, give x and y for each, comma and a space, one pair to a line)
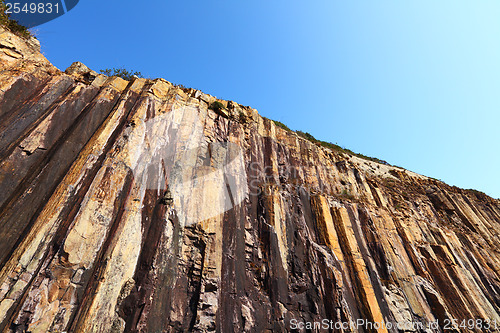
24, 51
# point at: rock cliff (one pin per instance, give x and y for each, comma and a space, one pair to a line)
140, 207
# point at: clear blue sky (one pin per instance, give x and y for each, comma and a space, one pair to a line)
416, 83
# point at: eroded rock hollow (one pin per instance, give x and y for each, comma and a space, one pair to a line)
135, 206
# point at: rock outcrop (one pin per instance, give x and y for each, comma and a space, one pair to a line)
135, 207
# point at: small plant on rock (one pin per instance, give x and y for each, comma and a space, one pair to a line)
283, 126
242, 118
217, 107
121, 72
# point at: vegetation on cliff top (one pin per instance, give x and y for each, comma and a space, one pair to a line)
219, 108
12, 25
121, 72
128, 74
329, 145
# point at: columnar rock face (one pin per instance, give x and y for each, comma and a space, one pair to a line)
134, 207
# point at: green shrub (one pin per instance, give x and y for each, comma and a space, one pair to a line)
217, 107
121, 72
283, 126
307, 136
242, 118
337, 148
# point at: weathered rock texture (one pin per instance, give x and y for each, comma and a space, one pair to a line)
86, 247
